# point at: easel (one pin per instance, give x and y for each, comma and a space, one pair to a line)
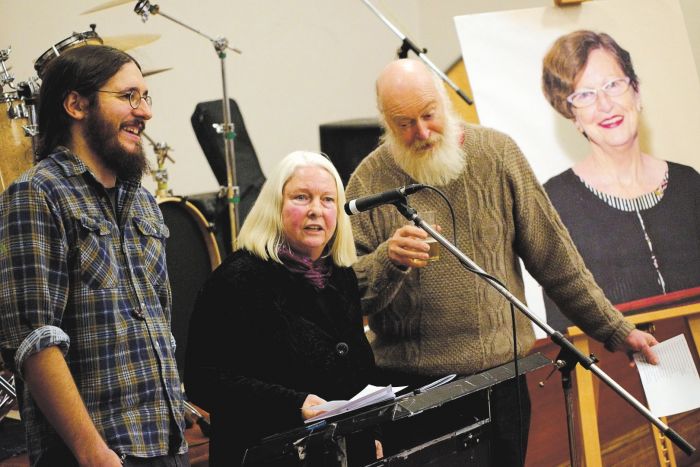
586, 402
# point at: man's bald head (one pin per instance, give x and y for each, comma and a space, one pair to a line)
421, 130
404, 79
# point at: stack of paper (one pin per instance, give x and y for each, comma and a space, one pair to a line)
368, 396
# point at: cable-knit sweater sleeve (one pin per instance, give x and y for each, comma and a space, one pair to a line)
378, 278
549, 254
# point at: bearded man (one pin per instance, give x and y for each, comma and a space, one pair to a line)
85, 302
430, 319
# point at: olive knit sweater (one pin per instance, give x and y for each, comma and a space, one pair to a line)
443, 319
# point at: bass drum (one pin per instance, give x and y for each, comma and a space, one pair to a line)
17, 153
191, 254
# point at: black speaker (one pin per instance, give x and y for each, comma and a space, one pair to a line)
348, 142
249, 176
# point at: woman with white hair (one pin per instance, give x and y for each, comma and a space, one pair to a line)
290, 334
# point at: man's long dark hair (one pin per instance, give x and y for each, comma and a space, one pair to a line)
82, 69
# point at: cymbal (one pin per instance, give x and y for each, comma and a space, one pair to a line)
155, 71
106, 5
130, 41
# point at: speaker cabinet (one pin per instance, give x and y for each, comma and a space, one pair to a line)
348, 142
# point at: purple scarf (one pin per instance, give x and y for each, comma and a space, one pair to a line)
316, 272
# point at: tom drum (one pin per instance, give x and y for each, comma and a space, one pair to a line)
74, 40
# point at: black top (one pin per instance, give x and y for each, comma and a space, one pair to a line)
613, 244
261, 339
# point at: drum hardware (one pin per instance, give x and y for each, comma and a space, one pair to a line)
5, 77
17, 123
144, 9
160, 175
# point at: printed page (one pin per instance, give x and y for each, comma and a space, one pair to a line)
672, 386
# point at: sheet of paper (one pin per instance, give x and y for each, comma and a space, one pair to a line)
672, 386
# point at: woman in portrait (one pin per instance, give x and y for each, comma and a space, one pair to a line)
277, 328
634, 217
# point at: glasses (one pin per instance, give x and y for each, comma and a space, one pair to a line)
586, 97
134, 97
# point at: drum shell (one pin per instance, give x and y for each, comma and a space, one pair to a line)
191, 254
17, 154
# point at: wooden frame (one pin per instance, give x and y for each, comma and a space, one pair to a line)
656, 308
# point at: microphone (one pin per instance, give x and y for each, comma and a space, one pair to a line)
366, 203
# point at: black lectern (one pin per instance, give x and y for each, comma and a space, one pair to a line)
443, 426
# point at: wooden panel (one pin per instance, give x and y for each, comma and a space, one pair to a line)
625, 436
458, 74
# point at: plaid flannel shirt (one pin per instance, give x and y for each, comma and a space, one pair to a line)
76, 277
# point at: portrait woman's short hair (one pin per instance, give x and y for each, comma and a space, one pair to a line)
566, 59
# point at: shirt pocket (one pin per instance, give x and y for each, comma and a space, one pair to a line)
98, 264
152, 236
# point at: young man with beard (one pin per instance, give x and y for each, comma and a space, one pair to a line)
85, 302
435, 318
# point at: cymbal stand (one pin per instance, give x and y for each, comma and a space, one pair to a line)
143, 8
160, 175
408, 44
5, 77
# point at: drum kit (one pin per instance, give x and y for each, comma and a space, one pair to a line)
19, 122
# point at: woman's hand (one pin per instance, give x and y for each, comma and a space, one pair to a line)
307, 410
378, 449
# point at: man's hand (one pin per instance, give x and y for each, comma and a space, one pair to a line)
407, 247
640, 341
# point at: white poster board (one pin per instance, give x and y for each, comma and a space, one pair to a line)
503, 53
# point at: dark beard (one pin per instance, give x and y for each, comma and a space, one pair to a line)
104, 142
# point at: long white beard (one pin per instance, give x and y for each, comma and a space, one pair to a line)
440, 164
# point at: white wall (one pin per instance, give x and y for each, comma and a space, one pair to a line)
304, 63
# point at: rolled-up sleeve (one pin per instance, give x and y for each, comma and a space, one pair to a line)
33, 272
38, 340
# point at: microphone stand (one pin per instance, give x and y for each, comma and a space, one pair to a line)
408, 44
226, 129
569, 351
